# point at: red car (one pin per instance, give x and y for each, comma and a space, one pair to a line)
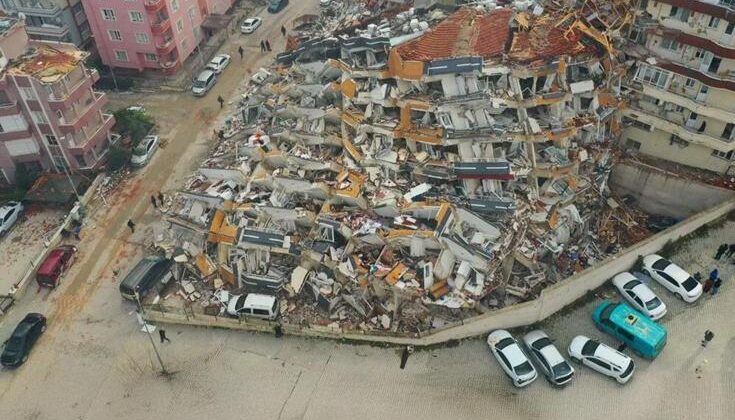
55, 265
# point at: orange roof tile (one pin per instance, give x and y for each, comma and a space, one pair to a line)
467, 32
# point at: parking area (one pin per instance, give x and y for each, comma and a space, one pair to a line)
25, 240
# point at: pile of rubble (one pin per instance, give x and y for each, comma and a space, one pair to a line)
401, 169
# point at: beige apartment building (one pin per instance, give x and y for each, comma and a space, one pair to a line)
682, 105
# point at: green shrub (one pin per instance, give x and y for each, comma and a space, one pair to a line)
119, 157
133, 124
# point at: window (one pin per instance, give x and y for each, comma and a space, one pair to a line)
121, 55
653, 76
680, 14
669, 44
625, 334
722, 155
142, 38
108, 14
151, 57
81, 161
631, 144
191, 12
114, 35
135, 16
52, 140
599, 363
714, 22
668, 278
260, 312
174, 5
679, 108
179, 25
727, 132
690, 82
2, 130
27, 93
38, 117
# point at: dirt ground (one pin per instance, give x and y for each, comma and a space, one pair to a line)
25, 241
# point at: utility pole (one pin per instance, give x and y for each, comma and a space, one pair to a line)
164, 372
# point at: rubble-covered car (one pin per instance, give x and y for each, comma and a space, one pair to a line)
9, 214
672, 277
276, 6
253, 305
143, 152
553, 365
511, 358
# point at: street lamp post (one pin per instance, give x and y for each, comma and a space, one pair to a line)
150, 336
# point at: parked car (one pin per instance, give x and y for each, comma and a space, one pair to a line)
56, 264
636, 330
672, 277
143, 152
22, 339
602, 358
276, 6
325, 3
253, 305
511, 358
9, 214
249, 25
219, 63
201, 85
639, 295
548, 358
150, 274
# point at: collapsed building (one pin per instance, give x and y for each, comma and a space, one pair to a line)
415, 170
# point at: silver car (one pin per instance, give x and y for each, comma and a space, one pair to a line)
143, 152
548, 358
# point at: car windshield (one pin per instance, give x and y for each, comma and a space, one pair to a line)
661, 264
561, 369
631, 284
507, 341
541, 343
199, 83
15, 344
240, 302
605, 315
140, 149
653, 303
689, 284
589, 348
523, 369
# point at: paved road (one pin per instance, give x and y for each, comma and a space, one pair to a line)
94, 363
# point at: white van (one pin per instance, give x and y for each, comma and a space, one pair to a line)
253, 305
203, 83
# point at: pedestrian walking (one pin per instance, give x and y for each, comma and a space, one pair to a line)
283, 30
77, 230
730, 251
221, 101
153, 201
708, 336
278, 330
160, 198
131, 225
267, 45
716, 286
708, 285
162, 334
714, 274
721, 251
262, 46
221, 134
241, 51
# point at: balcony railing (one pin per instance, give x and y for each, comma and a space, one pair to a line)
153, 5
161, 26
165, 46
38, 9
48, 30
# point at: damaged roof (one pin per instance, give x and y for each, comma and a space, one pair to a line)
46, 63
467, 32
545, 40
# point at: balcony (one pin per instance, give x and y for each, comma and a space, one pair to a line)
165, 46
15, 135
48, 31
99, 100
161, 26
98, 135
154, 5
73, 93
10, 108
37, 9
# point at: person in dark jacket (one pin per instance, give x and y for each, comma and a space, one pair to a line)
721, 251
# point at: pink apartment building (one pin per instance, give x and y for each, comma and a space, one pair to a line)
149, 34
50, 115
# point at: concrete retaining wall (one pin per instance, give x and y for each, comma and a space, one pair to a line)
551, 300
659, 192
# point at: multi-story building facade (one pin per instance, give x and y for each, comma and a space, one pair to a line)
149, 34
53, 20
51, 117
682, 105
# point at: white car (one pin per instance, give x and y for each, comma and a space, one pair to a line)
253, 305
219, 63
639, 295
249, 25
672, 277
548, 358
511, 357
602, 358
9, 214
143, 152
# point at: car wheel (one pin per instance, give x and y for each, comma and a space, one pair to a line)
24, 359
680, 297
43, 329
575, 359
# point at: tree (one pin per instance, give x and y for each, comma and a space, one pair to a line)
118, 158
133, 123
24, 179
